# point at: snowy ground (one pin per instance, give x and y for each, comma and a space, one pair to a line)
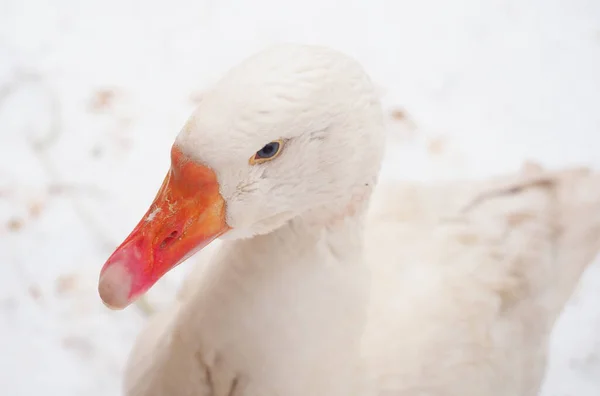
93, 92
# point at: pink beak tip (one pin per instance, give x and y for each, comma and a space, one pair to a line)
114, 286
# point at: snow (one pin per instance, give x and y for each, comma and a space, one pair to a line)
93, 93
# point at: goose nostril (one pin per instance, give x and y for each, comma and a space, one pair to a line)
169, 239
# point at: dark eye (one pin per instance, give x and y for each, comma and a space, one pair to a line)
268, 152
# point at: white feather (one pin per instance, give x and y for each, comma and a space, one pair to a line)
441, 290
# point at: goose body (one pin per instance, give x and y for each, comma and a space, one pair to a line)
429, 290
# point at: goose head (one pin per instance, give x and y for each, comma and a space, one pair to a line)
292, 132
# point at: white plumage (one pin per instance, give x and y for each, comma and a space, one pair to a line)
440, 291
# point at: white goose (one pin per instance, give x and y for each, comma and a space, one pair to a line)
447, 290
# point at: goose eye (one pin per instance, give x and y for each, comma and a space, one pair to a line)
267, 153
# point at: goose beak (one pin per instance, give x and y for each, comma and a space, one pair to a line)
187, 214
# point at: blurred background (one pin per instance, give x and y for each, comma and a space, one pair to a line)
92, 94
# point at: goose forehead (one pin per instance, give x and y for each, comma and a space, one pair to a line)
222, 128
280, 93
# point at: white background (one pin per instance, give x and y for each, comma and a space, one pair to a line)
93, 92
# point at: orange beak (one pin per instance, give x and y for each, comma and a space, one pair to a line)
187, 214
